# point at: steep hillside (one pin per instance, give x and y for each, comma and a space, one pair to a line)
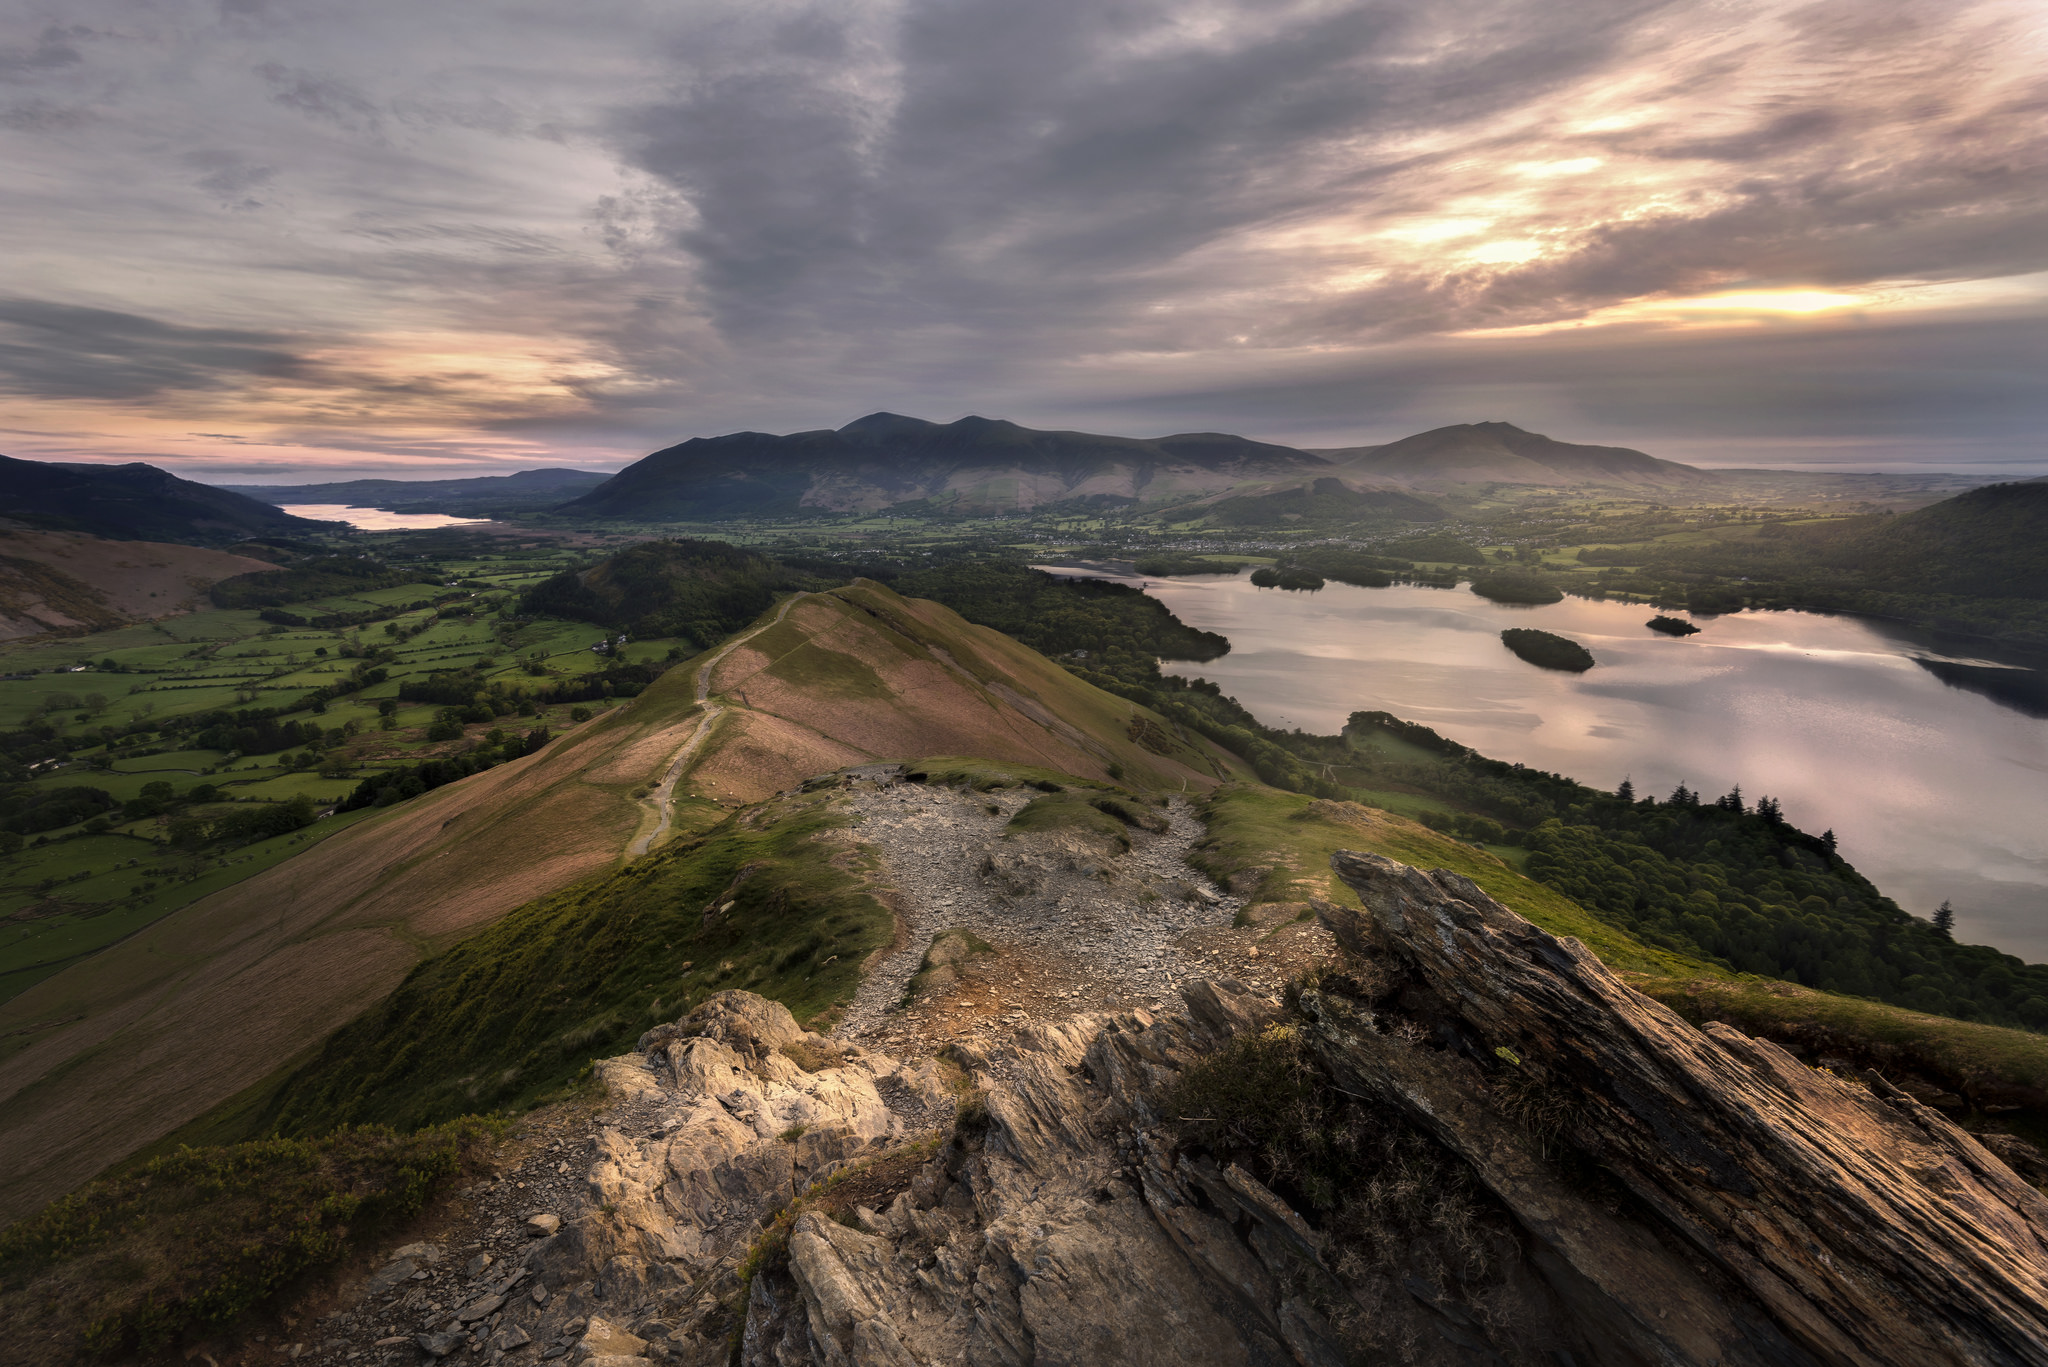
67, 581
106, 1057
884, 460
527, 490
1475, 453
135, 502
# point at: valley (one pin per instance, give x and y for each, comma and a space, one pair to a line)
456, 824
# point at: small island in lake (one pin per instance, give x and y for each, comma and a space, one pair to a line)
1516, 586
1672, 626
1287, 577
1548, 650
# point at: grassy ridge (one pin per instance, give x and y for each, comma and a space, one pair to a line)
1285, 840
772, 900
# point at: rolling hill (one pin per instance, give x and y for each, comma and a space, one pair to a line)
1500, 452
136, 502
107, 1058
523, 492
977, 465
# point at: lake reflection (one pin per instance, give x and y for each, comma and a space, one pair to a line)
377, 519
1933, 792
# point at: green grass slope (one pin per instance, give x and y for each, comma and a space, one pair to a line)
774, 900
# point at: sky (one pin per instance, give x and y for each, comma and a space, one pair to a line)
278, 240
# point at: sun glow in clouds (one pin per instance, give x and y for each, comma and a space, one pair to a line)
1737, 308
1770, 301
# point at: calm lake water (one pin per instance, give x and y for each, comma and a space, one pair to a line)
377, 519
1932, 791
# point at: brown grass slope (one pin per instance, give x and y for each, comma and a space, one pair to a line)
67, 581
108, 1057
862, 674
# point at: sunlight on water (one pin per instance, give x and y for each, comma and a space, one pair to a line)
1933, 792
377, 519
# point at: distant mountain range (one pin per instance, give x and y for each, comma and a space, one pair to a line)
975, 465
527, 491
135, 502
984, 465
1500, 452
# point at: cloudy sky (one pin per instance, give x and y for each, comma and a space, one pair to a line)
268, 239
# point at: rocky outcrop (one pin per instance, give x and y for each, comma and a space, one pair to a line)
1465, 1142
1865, 1226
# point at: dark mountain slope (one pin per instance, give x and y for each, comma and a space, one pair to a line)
135, 503
973, 465
1990, 542
529, 489
1470, 453
698, 590
1323, 500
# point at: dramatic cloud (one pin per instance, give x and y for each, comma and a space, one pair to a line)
385, 235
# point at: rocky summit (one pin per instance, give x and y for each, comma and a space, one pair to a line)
1460, 1140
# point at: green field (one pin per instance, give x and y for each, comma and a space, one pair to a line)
115, 710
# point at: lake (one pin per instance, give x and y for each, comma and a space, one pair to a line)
1933, 792
377, 519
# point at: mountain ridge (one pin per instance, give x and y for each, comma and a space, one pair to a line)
136, 502
526, 490
973, 464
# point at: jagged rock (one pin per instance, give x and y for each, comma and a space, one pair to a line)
1068, 1217
746, 1127
481, 1308
441, 1344
1865, 1226
543, 1224
389, 1276
602, 1338
510, 1337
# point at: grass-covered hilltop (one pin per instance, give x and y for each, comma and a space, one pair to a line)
327, 856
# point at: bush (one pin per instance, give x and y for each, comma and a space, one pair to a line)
191, 1242
262, 821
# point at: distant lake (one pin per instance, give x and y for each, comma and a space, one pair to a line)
377, 519
1933, 792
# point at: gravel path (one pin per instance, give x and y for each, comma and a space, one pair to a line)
1111, 926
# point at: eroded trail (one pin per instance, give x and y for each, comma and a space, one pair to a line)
665, 792
1071, 923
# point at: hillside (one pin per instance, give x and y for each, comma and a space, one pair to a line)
698, 590
1990, 542
883, 460
1500, 452
67, 581
108, 1057
136, 502
1323, 500
524, 491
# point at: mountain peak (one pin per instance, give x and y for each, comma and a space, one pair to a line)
885, 424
